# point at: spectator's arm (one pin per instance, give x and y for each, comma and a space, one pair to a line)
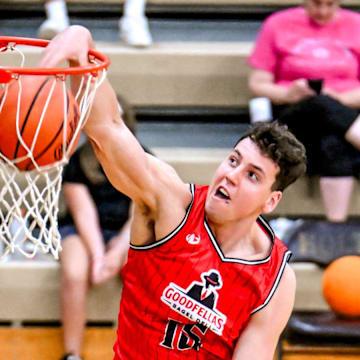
85, 215
119, 245
116, 255
261, 83
349, 98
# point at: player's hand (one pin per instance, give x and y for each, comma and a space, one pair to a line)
299, 90
73, 44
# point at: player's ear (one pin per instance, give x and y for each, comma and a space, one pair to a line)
272, 201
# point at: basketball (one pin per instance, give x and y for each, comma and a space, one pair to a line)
341, 286
45, 138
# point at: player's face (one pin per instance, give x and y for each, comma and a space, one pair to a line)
241, 186
321, 11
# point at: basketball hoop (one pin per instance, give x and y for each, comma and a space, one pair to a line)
40, 125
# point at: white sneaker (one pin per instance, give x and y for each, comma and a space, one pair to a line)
50, 28
282, 226
134, 31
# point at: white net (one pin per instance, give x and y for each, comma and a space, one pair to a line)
29, 189
28, 217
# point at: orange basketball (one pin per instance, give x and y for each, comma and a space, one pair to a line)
341, 286
46, 140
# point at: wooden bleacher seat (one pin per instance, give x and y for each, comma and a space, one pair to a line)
174, 74
318, 352
320, 335
30, 292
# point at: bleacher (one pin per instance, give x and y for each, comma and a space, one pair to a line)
179, 79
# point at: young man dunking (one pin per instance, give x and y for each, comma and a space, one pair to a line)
184, 235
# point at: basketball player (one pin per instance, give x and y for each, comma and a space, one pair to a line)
185, 235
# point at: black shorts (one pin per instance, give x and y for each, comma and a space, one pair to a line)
320, 123
68, 230
318, 114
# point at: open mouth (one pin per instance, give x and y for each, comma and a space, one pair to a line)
222, 193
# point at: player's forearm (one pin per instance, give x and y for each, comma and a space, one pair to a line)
122, 157
104, 110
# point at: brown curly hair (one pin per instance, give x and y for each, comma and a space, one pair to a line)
280, 145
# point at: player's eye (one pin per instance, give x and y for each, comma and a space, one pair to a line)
233, 161
253, 176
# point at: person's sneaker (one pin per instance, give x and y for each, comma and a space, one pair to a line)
134, 31
50, 28
282, 226
71, 357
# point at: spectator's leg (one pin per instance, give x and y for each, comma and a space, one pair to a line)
353, 133
57, 19
74, 286
337, 118
134, 27
321, 124
336, 195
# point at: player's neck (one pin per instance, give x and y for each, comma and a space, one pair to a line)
245, 240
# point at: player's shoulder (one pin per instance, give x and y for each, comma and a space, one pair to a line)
289, 277
284, 295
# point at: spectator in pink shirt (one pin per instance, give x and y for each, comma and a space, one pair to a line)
316, 41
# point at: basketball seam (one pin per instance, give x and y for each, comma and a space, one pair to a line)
28, 114
55, 137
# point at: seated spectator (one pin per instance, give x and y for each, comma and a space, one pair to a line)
133, 26
95, 237
315, 41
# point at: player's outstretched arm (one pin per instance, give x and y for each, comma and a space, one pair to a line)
261, 336
142, 177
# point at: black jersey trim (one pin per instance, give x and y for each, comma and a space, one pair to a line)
286, 258
266, 226
262, 222
174, 232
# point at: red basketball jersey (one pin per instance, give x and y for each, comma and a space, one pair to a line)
183, 299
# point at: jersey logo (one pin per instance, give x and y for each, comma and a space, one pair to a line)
192, 239
198, 302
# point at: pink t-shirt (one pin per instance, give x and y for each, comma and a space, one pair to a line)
291, 46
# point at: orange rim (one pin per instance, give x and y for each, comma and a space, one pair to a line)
7, 72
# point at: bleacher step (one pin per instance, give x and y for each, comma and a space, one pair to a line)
173, 73
36, 284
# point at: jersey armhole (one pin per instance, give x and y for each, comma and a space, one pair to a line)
174, 232
286, 257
